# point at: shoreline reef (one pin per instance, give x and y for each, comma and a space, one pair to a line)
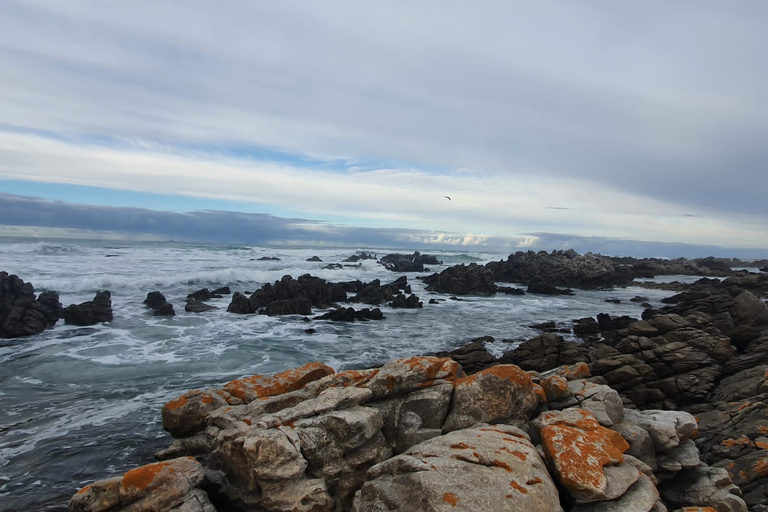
665, 412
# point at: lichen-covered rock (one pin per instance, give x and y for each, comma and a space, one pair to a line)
581, 450
642, 496
484, 468
160, 487
401, 376
185, 415
248, 389
502, 393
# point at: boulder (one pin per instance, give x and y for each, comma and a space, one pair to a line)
315, 258
502, 393
489, 467
586, 457
248, 389
91, 312
196, 306
185, 415
350, 314
160, 306
160, 487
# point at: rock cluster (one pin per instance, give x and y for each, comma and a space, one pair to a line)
418, 434
158, 304
22, 313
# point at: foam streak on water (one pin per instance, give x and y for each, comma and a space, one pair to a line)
84, 403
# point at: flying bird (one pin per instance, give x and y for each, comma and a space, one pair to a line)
448, 198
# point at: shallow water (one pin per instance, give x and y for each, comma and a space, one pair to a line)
80, 404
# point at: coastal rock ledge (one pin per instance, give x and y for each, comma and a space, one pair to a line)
417, 434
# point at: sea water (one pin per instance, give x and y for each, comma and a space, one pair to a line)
83, 403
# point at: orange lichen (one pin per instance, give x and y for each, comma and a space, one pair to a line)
555, 387
763, 429
580, 448
743, 474
451, 499
246, 421
430, 366
141, 478
503, 465
260, 386
507, 372
84, 489
357, 378
460, 446
177, 403
533, 481
539, 391
516, 486
206, 399
743, 406
729, 443
761, 467
579, 371
762, 445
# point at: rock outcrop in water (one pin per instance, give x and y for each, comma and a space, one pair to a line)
22, 313
90, 312
472, 279
560, 268
408, 262
158, 304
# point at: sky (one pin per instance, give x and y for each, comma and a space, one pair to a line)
640, 125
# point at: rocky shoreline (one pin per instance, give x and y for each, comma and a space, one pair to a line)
664, 412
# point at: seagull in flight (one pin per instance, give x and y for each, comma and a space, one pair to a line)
448, 198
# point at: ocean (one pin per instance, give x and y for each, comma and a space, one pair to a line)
79, 404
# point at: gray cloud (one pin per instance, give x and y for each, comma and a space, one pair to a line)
252, 228
662, 99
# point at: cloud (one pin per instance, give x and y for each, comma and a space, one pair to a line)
626, 115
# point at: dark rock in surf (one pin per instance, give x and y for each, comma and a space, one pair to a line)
472, 279
542, 288
586, 328
350, 314
160, 306
333, 266
204, 294
224, 290
268, 258
315, 258
298, 306
376, 293
197, 306
408, 262
359, 257
91, 312
409, 302
23, 314
508, 290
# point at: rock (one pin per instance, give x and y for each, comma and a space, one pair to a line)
402, 376
472, 279
543, 288
560, 269
474, 356
350, 314
268, 258
358, 257
160, 487
639, 298
160, 306
185, 415
298, 306
21, 314
642, 496
667, 428
586, 327
333, 266
408, 263
580, 449
91, 312
410, 302
315, 258
501, 393
485, 468
248, 389
195, 306
507, 290
545, 352
703, 486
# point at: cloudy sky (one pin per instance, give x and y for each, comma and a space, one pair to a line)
634, 121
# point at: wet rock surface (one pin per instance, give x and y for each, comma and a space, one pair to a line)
22, 313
